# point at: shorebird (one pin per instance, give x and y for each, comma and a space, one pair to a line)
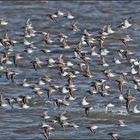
3, 22
62, 37
46, 129
129, 98
36, 63
10, 102
114, 135
65, 44
125, 24
103, 62
45, 115
109, 73
121, 97
7, 42
121, 81
59, 13
48, 39
69, 16
74, 125
69, 64
29, 31
133, 70
10, 74
101, 42
99, 82
37, 90
64, 89
70, 98
25, 83
30, 48
109, 105
78, 49
87, 72
51, 62
4, 58
103, 52
74, 27
50, 90
104, 90
2, 101
28, 24
84, 102
126, 39
93, 88
61, 60
23, 101
45, 133
46, 50
62, 117
64, 124
17, 57
63, 71
53, 17
135, 110
121, 123
116, 61
108, 30
44, 80
137, 83
126, 53
62, 101
93, 52
92, 128
26, 42
86, 33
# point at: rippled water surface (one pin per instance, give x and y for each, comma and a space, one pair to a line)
26, 123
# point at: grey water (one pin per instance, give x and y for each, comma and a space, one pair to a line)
25, 124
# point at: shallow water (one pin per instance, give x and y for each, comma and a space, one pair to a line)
26, 123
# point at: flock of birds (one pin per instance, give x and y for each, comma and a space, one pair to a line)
82, 52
